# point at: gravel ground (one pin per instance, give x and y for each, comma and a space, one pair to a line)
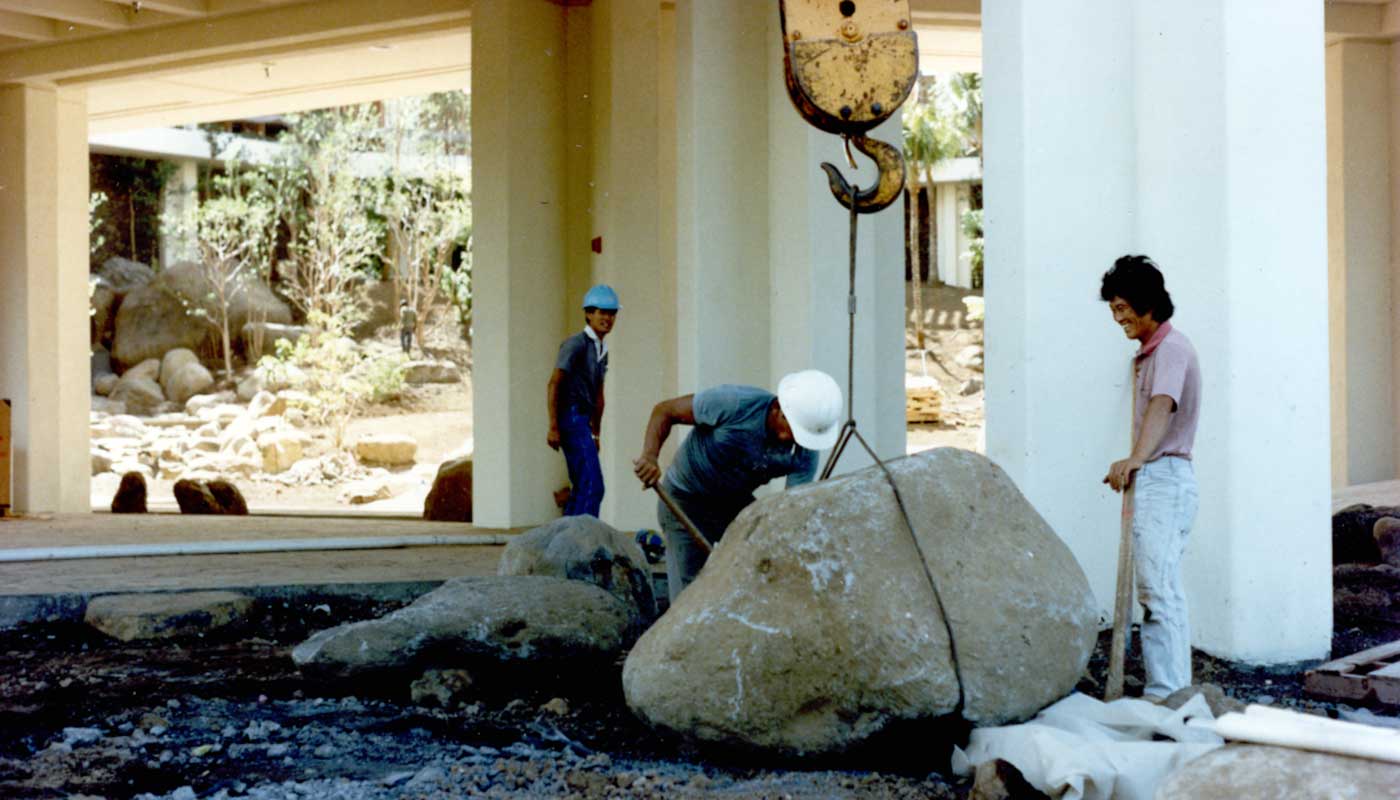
229, 716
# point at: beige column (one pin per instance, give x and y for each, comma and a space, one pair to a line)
626, 211
43, 295
518, 127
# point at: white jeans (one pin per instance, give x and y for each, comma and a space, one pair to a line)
1164, 507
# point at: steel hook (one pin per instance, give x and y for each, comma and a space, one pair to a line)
887, 159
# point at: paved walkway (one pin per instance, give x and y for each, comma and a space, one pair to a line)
30, 588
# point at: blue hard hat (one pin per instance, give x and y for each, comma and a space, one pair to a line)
603, 297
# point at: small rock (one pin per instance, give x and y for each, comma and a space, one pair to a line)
1219, 702
450, 499
442, 687
366, 490
393, 778
217, 496
420, 372
129, 617
559, 707
387, 449
326, 751
277, 750
1000, 780
104, 384
1387, 535
72, 736
186, 792
970, 387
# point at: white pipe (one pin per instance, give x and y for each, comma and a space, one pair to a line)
247, 546
1306, 732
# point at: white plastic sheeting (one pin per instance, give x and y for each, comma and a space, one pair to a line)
1084, 748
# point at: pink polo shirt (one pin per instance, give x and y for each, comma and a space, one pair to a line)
1167, 365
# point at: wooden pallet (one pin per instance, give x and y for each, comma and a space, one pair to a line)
923, 399
1371, 675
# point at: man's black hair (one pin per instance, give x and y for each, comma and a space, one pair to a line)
589, 309
1137, 280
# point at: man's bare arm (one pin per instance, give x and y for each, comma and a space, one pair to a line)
666, 414
1154, 428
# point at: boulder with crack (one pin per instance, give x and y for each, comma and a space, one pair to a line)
814, 625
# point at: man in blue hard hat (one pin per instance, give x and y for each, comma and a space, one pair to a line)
575, 399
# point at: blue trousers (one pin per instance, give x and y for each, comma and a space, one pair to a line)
581, 455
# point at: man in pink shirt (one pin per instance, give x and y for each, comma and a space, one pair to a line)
1166, 406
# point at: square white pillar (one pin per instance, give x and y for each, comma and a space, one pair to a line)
43, 295
518, 130
1143, 127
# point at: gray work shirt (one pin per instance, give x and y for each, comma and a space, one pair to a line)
730, 453
584, 368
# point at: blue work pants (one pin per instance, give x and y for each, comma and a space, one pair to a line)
581, 455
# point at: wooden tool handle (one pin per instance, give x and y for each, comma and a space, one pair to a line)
1122, 603
695, 534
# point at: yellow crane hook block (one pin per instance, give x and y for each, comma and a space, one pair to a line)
849, 65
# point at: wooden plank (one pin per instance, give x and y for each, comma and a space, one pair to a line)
4, 456
1369, 674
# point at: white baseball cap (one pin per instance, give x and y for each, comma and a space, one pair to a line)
811, 401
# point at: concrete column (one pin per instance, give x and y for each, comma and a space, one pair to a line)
518, 80
43, 295
1136, 127
626, 204
725, 63
1358, 216
179, 199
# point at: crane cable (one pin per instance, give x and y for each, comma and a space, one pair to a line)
849, 431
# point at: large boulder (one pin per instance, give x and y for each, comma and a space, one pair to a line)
584, 548
102, 302
280, 450
1257, 772
467, 622
182, 376
154, 319
450, 499
814, 624
140, 395
125, 276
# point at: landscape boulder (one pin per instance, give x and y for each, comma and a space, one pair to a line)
468, 622
103, 386
154, 319
450, 499
209, 497
124, 276
148, 369
1386, 532
814, 624
101, 302
387, 449
160, 615
131, 494
280, 450
186, 382
1353, 533
140, 395
583, 548
429, 371
173, 361
1259, 772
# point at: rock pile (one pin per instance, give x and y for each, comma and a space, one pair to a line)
814, 625
1366, 558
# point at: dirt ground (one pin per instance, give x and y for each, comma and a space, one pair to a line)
229, 716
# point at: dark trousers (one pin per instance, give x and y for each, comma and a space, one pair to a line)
406, 340
581, 455
684, 558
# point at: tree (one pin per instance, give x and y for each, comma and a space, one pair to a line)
423, 199
229, 231
929, 137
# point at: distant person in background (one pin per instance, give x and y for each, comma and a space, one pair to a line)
408, 321
575, 399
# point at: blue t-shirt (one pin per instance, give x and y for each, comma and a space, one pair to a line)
730, 453
583, 373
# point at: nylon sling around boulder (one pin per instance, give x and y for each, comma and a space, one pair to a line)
849, 431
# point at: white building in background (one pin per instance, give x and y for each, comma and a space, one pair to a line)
1196, 132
